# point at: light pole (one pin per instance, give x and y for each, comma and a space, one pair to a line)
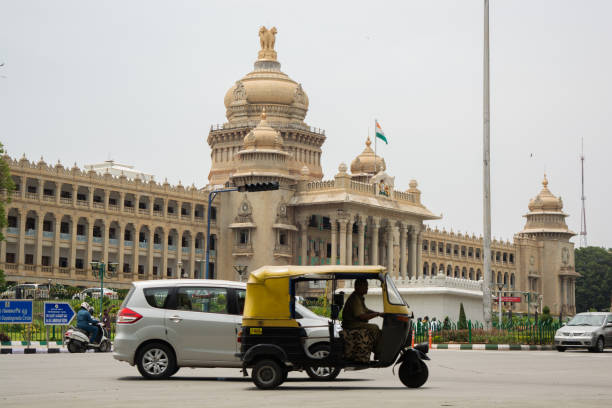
500, 286
99, 270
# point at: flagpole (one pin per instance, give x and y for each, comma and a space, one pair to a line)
375, 145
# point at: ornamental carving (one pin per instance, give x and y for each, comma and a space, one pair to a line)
300, 96
281, 211
267, 38
245, 211
239, 91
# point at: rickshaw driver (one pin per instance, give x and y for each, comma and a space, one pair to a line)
356, 315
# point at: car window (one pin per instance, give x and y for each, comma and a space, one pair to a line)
609, 318
240, 298
157, 297
208, 300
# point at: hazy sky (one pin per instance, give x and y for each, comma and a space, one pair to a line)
141, 82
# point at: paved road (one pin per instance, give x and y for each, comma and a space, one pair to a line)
457, 379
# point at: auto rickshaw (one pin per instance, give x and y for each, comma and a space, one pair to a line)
272, 341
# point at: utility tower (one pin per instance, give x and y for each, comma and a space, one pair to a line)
583, 229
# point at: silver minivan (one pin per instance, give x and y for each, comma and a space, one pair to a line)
167, 324
592, 330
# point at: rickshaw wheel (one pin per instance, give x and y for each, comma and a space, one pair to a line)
413, 378
322, 373
268, 374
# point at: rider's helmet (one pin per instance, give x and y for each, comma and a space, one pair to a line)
85, 306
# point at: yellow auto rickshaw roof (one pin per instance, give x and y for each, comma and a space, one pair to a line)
291, 271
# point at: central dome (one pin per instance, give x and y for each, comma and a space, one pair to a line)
266, 87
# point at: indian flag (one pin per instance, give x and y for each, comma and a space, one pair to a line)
379, 132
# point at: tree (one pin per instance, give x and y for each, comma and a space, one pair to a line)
594, 287
6, 188
462, 323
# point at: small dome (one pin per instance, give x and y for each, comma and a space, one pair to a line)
364, 163
263, 136
545, 200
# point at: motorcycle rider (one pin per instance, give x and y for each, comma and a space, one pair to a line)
87, 323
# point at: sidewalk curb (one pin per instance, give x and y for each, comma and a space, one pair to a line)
36, 350
497, 347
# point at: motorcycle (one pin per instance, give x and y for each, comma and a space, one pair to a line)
77, 340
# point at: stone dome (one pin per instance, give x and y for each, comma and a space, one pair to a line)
263, 136
545, 200
266, 87
364, 163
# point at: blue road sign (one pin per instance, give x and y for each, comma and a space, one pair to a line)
58, 313
15, 311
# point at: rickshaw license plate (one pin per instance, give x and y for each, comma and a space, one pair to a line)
255, 330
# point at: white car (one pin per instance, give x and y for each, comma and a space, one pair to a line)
167, 324
95, 293
26, 291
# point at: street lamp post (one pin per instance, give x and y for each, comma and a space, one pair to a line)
99, 270
500, 286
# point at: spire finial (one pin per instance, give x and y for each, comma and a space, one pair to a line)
545, 181
368, 142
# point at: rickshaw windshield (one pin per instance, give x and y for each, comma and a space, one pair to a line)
393, 295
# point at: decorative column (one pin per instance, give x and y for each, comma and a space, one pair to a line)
120, 261
349, 241
56, 244
105, 197
90, 225
343, 223
419, 254
304, 239
412, 257
39, 233
58, 191
23, 215
73, 193
390, 231
73, 242
192, 256
90, 194
403, 263
3, 250
361, 232
105, 237
179, 253
334, 239
136, 250
375, 227
24, 182
164, 254
121, 203
149, 270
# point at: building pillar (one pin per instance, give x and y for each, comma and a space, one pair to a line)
390, 231
412, 257
149, 269
179, 253
334, 239
24, 181
105, 197
121, 203
105, 242
58, 191
120, 260
73, 242
136, 250
90, 194
343, 223
39, 236
22, 222
165, 209
349, 241
403, 263
375, 227
361, 229
73, 192
304, 239
192, 256
56, 243
419, 255
164, 253
90, 225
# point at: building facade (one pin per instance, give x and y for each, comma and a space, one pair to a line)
61, 219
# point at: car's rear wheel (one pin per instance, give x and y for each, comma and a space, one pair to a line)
268, 374
322, 373
561, 349
156, 361
413, 374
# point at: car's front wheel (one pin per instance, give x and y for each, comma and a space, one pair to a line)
322, 373
561, 349
156, 361
599, 345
